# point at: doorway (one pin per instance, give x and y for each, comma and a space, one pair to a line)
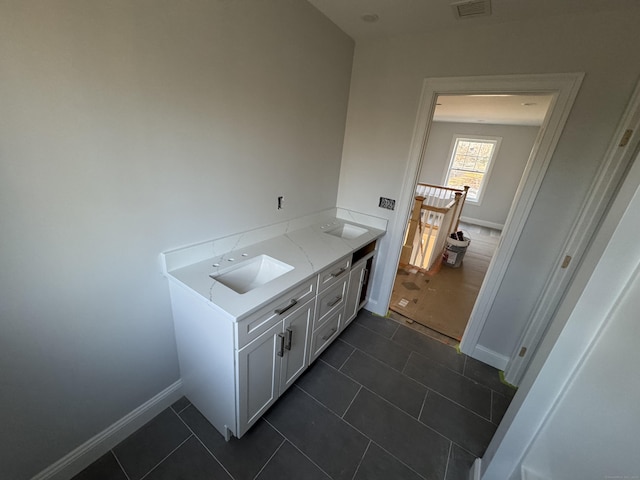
563, 88
483, 142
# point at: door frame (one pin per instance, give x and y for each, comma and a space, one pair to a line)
564, 88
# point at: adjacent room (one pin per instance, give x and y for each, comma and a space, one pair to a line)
273, 148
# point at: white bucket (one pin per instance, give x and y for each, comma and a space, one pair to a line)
454, 253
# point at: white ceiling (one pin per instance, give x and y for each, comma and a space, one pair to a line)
400, 17
493, 109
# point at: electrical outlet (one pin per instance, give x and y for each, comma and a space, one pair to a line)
280, 202
387, 203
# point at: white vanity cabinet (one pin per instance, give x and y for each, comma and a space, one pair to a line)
270, 364
358, 282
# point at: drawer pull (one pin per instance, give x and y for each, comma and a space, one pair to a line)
287, 342
335, 301
280, 351
330, 334
280, 311
339, 272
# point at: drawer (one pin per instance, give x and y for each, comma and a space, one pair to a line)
262, 320
331, 300
334, 273
324, 335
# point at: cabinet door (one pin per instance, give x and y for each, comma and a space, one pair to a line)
353, 294
258, 379
296, 344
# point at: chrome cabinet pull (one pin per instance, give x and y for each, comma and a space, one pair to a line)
335, 301
280, 351
330, 334
280, 311
339, 272
287, 342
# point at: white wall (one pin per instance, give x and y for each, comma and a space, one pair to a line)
506, 172
385, 92
129, 128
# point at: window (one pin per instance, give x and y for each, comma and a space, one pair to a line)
470, 164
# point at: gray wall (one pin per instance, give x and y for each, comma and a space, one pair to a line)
129, 128
507, 170
386, 84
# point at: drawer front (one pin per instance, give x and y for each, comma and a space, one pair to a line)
334, 273
324, 335
259, 322
330, 301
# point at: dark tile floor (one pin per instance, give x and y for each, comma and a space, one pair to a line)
383, 402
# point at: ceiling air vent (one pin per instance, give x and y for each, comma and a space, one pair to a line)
471, 8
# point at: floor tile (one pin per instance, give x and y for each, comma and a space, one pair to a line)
333, 389
288, 462
380, 465
400, 434
337, 353
452, 385
499, 405
488, 376
460, 425
460, 462
190, 461
332, 444
376, 345
244, 457
380, 325
105, 468
181, 404
430, 348
386, 382
146, 447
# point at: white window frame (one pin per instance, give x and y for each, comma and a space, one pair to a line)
485, 179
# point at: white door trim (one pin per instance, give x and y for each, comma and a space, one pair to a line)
591, 212
564, 88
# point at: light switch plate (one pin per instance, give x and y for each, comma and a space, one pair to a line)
387, 203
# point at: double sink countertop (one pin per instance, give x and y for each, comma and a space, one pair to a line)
308, 250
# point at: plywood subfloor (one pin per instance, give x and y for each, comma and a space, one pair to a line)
443, 298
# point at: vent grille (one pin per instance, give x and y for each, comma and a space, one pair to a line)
471, 8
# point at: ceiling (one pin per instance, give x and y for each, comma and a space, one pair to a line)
401, 17
493, 109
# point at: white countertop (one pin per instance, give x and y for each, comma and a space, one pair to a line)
309, 250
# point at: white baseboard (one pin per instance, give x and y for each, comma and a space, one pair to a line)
490, 357
482, 223
474, 473
83, 456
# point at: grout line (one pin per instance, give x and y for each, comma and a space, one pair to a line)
351, 403
296, 447
491, 408
464, 367
424, 401
446, 468
121, 467
459, 404
201, 442
284, 439
347, 359
361, 459
167, 456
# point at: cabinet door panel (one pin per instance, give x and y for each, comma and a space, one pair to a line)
353, 294
297, 336
258, 377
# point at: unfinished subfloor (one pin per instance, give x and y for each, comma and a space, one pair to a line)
442, 299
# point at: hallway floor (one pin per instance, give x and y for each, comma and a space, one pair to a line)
442, 299
383, 402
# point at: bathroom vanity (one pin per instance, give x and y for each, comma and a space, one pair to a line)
250, 320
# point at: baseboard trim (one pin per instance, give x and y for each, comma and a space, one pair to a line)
474, 473
483, 223
81, 457
490, 357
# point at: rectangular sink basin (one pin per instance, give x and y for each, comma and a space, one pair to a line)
252, 273
347, 231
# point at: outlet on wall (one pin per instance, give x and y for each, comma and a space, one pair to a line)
280, 202
387, 203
